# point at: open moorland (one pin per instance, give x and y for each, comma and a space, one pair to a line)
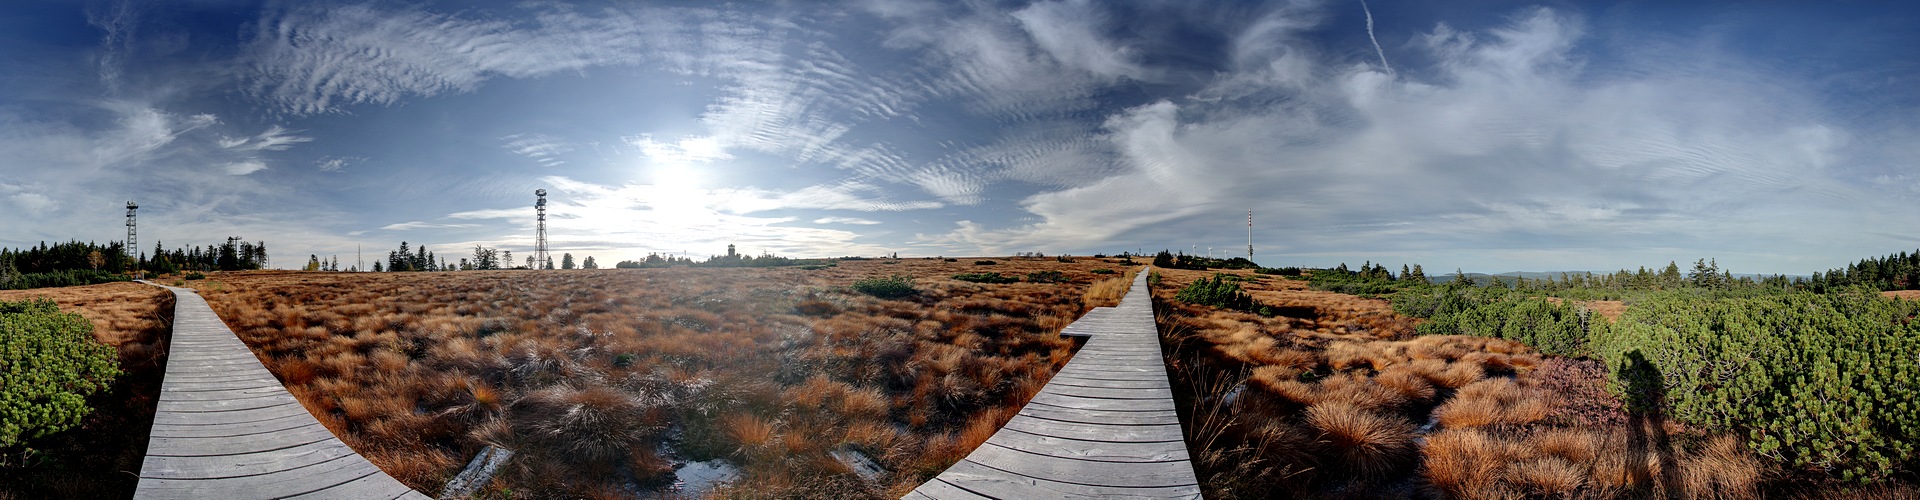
101, 457
1289, 391
604, 381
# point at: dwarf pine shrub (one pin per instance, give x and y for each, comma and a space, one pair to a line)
1814, 382
1217, 291
50, 363
994, 278
891, 287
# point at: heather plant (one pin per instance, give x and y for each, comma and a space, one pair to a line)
51, 363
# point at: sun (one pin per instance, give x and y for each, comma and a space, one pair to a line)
678, 187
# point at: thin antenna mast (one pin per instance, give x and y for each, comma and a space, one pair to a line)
1249, 234
540, 234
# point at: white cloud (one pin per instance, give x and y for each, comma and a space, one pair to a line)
1070, 32
846, 220
244, 167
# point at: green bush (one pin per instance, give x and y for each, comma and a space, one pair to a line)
995, 278
984, 262
891, 287
1560, 330
1819, 383
195, 276
50, 363
1103, 271
1218, 291
1047, 277
1282, 271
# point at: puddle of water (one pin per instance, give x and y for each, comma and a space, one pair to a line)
695, 478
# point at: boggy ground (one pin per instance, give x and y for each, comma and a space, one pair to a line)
603, 380
1335, 396
101, 458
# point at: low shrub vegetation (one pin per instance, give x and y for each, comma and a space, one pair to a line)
51, 363
994, 278
891, 287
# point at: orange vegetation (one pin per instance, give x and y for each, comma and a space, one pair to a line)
1335, 396
602, 380
1903, 294
102, 457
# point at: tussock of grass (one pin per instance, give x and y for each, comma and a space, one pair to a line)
1368, 444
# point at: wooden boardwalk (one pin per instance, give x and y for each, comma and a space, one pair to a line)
1104, 427
226, 428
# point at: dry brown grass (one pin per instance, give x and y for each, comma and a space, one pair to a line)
1903, 294
599, 370
102, 457
1369, 444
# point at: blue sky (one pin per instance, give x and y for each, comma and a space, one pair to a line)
1776, 137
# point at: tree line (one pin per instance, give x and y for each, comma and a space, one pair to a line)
82, 263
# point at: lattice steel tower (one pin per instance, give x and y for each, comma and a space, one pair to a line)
133, 241
540, 233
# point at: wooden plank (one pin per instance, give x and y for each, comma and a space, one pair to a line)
1097, 432
274, 485
226, 405
1099, 451
1052, 468
1050, 412
942, 490
1109, 393
237, 445
1109, 382
250, 464
996, 483
184, 396
288, 423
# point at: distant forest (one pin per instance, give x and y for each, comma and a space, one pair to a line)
85, 263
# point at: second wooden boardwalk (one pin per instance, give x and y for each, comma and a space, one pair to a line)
1103, 427
226, 428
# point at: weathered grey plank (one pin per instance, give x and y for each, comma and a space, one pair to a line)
996, 483
1096, 432
1109, 393
1091, 416
1122, 474
1108, 382
225, 427
288, 423
1100, 451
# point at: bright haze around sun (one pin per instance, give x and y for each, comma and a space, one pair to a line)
1774, 137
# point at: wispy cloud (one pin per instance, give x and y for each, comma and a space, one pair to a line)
540, 148
403, 226
275, 138
846, 220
